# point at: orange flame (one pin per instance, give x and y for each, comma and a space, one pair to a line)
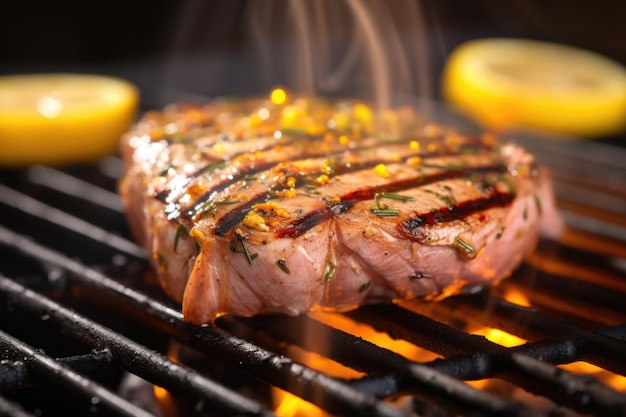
617, 382
402, 347
289, 405
516, 296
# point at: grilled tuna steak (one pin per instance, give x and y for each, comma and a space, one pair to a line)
258, 207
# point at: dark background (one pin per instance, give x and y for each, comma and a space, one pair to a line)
175, 49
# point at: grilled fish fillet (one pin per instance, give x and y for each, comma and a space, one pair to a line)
257, 207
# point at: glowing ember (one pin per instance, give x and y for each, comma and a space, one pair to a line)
515, 296
402, 347
618, 382
290, 405
500, 337
167, 402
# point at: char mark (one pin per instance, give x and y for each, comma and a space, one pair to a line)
416, 226
308, 220
236, 216
305, 222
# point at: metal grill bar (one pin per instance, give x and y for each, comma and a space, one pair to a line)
478, 358
588, 181
482, 359
8, 408
69, 185
133, 356
527, 323
401, 376
14, 375
596, 166
56, 374
583, 300
58, 217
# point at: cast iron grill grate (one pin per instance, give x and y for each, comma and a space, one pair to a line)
80, 317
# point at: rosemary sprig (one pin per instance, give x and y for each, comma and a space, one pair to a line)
211, 205
214, 167
179, 231
282, 264
245, 183
462, 244
448, 199
233, 246
249, 257
165, 170
294, 132
449, 165
508, 183
161, 261
386, 212
538, 204
390, 196
330, 271
364, 286
383, 210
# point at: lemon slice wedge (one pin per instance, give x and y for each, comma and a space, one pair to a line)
58, 119
504, 83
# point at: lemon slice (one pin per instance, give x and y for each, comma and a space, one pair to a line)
62, 118
507, 82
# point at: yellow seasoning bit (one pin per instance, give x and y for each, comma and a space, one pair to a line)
520, 171
196, 190
291, 182
315, 129
196, 233
289, 193
362, 112
343, 140
289, 116
161, 261
414, 161
381, 171
340, 121
322, 179
271, 207
415, 145
254, 220
254, 121
278, 96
